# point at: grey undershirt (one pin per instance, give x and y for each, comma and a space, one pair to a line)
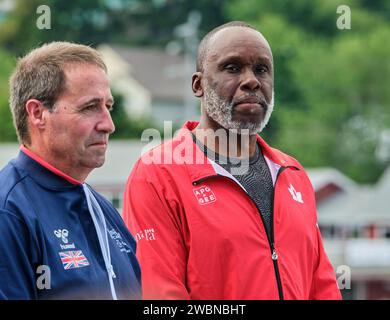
255, 178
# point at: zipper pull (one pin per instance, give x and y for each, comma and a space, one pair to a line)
112, 273
274, 253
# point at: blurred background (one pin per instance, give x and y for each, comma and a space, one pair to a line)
332, 98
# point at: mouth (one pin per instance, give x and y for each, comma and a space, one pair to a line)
252, 105
102, 144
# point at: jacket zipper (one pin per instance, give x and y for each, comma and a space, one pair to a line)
270, 237
272, 240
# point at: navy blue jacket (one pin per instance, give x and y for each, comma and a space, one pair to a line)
49, 247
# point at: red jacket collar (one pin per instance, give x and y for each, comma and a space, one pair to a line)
273, 154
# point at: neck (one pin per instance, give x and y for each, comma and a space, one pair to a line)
223, 141
73, 172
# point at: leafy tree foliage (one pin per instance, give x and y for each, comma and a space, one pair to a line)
7, 131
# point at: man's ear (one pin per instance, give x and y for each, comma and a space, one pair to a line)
197, 87
35, 110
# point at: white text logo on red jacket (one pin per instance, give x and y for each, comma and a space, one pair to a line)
204, 195
146, 234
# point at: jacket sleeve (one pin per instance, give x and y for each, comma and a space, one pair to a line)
18, 279
160, 246
324, 285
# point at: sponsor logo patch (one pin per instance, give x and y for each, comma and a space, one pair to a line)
146, 234
204, 195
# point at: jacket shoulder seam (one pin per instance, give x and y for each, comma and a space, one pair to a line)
12, 188
12, 214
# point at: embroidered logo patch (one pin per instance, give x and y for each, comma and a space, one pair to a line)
204, 195
73, 259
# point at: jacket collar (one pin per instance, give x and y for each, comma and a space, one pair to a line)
42, 172
200, 170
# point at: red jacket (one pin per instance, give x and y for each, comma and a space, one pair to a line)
200, 236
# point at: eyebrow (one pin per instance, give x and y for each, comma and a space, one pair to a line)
237, 58
96, 100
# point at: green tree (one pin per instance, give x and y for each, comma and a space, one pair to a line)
7, 131
135, 22
83, 21
152, 22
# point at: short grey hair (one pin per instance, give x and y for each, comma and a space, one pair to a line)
204, 44
40, 75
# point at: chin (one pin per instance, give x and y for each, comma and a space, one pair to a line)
100, 164
249, 118
96, 163
252, 125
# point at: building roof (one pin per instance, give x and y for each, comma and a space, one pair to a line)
356, 204
160, 73
321, 177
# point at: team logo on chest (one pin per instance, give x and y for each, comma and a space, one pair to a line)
204, 195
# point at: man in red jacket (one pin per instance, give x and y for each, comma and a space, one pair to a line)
218, 214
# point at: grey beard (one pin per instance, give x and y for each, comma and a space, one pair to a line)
220, 111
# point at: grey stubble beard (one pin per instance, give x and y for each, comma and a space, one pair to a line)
221, 111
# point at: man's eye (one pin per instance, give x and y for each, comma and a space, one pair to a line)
232, 68
262, 69
88, 108
109, 107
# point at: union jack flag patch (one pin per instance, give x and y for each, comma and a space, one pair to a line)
73, 259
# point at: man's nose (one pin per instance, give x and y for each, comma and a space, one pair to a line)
106, 124
249, 81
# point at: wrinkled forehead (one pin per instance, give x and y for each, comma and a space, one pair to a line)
238, 40
85, 79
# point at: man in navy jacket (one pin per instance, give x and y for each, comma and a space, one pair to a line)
60, 239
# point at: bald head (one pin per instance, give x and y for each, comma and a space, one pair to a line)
207, 41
